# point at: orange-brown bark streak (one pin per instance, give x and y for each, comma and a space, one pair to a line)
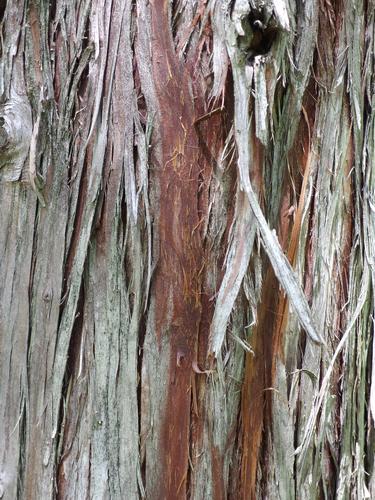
180, 248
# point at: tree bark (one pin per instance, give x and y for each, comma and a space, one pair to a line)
187, 198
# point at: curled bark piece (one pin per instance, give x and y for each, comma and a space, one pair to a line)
241, 10
197, 370
15, 136
281, 13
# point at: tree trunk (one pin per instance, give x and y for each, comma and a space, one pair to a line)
187, 198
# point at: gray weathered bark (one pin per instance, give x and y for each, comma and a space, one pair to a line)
187, 198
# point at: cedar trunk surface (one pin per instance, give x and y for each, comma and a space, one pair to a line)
161, 162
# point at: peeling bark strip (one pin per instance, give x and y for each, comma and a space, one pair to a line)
146, 347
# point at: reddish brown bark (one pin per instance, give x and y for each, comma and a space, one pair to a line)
177, 276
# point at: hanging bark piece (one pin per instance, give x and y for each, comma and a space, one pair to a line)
281, 266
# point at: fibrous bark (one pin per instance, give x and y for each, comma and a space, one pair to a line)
186, 201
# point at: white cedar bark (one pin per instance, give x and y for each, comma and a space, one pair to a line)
160, 164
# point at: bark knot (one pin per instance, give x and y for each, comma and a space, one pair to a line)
15, 137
